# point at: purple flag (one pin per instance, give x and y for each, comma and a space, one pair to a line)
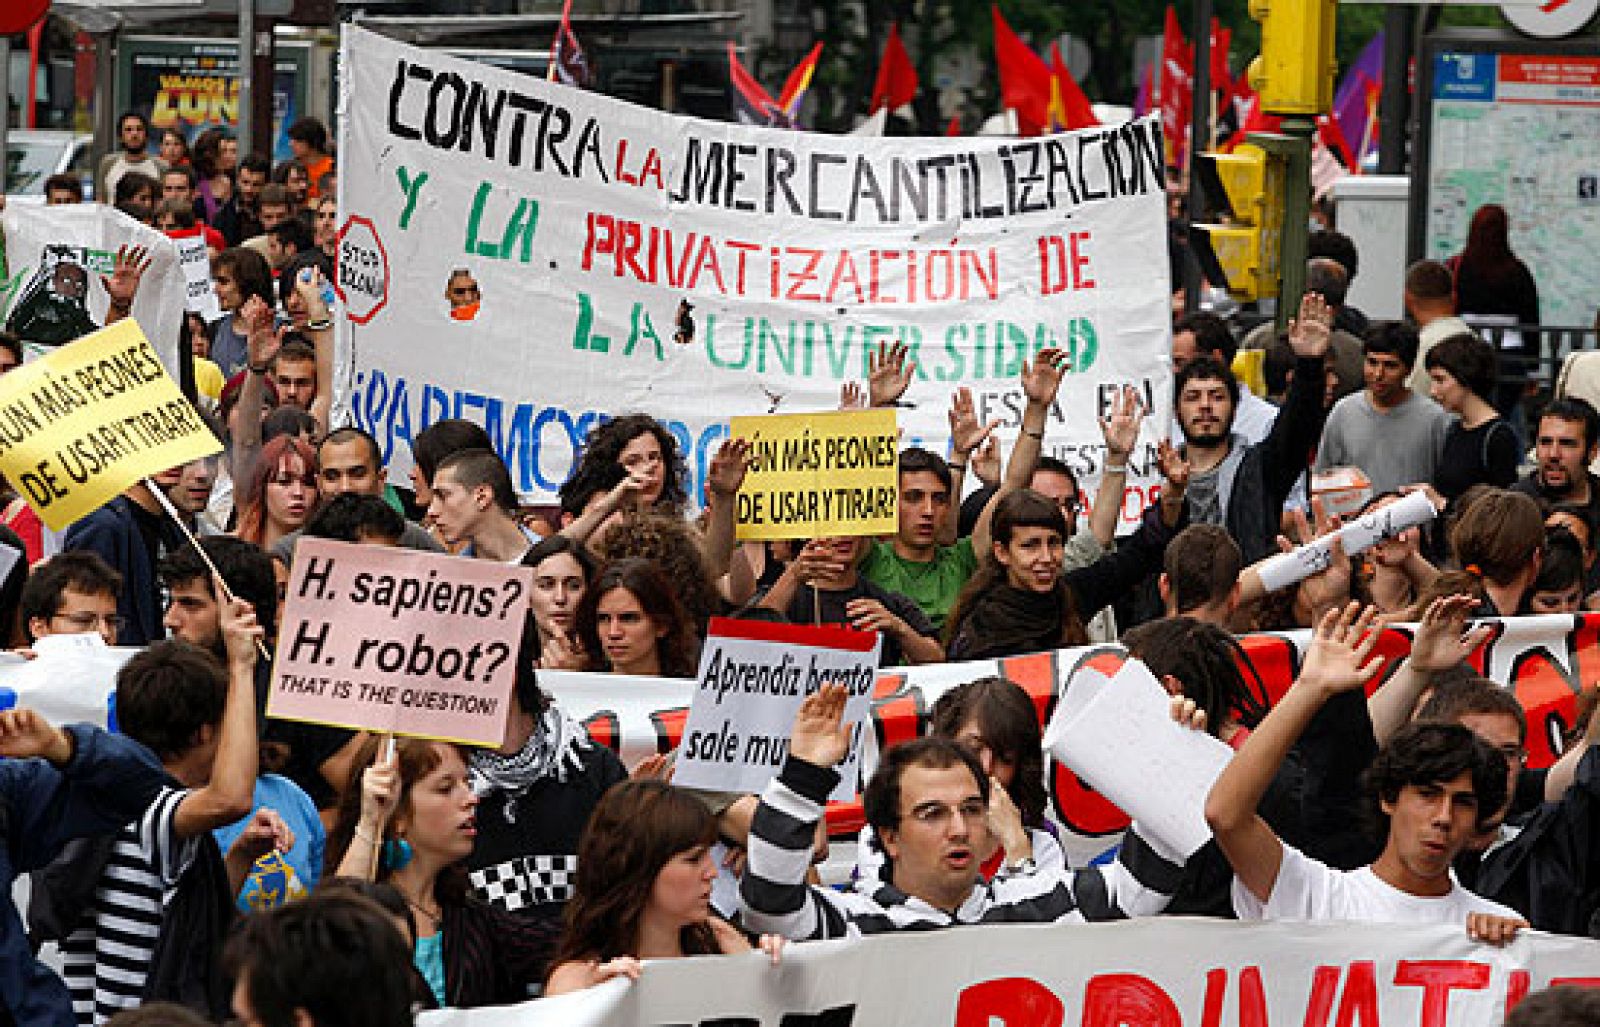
1355, 104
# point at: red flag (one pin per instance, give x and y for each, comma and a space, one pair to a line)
954, 128
1024, 79
896, 84
795, 86
1069, 108
1175, 88
752, 104
1221, 42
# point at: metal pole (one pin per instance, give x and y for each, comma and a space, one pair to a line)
1296, 215
243, 127
1194, 282
1394, 104
5, 110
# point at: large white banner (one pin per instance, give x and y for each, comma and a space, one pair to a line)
50, 292
1542, 659
538, 258
1166, 972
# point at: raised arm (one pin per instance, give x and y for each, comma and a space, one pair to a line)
231, 791
83, 782
1121, 433
774, 895
1565, 770
1287, 448
122, 285
1041, 380
723, 479
262, 343
1338, 659
1441, 642
319, 329
967, 434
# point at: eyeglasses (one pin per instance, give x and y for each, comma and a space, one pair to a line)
938, 814
89, 621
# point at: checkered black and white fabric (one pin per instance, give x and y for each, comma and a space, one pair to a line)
527, 881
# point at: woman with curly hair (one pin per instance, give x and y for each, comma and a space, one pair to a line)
997, 721
643, 446
631, 622
672, 544
644, 889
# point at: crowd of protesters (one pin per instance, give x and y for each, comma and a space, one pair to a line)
205, 861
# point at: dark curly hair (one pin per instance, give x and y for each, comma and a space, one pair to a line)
880, 800
667, 541
1426, 753
607, 441
1009, 724
678, 647
635, 829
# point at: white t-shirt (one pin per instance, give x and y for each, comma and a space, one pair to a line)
1309, 890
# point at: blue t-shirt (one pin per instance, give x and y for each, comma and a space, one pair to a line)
281, 877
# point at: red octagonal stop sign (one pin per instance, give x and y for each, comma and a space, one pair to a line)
361, 270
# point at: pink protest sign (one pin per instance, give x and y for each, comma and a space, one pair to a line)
394, 640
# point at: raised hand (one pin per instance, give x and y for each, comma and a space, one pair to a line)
380, 793
1339, 657
1442, 639
262, 338
727, 470
23, 733
1041, 378
985, 462
1121, 429
126, 272
889, 374
308, 284
967, 433
1309, 334
240, 630
1174, 466
819, 736
851, 396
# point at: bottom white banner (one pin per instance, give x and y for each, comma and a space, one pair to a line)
1165, 972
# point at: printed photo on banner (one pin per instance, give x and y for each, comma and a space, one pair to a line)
88, 419
825, 474
55, 258
399, 641
753, 676
708, 270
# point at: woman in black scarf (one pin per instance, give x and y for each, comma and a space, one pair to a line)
1020, 602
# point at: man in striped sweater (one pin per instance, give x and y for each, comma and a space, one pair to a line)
930, 804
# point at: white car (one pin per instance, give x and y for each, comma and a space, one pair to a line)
33, 155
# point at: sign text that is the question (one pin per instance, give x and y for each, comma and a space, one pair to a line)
395, 640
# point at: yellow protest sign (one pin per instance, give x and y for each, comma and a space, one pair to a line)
819, 474
84, 422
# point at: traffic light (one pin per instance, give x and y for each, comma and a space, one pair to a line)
1295, 70
1246, 188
